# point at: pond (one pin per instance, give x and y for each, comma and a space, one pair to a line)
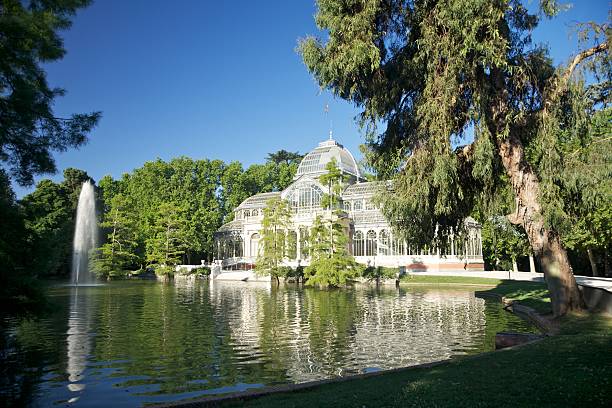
129, 343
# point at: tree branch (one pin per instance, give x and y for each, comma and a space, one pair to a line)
581, 57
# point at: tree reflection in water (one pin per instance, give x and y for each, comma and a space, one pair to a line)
135, 342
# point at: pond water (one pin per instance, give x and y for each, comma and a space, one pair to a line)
129, 343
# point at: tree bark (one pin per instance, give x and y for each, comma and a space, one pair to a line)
593, 262
545, 242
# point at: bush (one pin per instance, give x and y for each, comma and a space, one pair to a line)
379, 272
200, 271
332, 272
163, 270
296, 273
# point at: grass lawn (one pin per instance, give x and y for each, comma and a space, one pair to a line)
445, 280
573, 368
531, 294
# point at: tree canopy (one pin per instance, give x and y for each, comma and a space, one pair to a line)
29, 130
451, 72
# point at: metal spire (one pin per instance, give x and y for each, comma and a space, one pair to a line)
331, 123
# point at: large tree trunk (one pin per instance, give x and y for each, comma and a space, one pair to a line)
545, 242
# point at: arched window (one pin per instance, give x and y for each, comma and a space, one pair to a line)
383, 242
370, 243
358, 243
254, 245
303, 242
369, 205
247, 213
347, 206
254, 213
358, 205
292, 245
398, 245
305, 198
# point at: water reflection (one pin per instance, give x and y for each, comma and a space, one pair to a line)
310, 334
78, 339
134, 342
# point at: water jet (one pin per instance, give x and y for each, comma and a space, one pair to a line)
85, 236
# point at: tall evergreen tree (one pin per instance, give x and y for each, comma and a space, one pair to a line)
434, 70
331, 264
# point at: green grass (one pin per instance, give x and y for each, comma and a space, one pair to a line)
531, 294
458, 280
564, 370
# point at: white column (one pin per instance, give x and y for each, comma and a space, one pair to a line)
532, 267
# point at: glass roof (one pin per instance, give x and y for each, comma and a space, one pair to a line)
362, 189
258, 200
234, 225
317, 159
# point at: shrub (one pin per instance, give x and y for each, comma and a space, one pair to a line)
200, 271
163, 270
379, 272
332, 272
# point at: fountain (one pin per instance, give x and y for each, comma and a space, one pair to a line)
85, 236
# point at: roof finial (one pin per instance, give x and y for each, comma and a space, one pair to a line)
331, 123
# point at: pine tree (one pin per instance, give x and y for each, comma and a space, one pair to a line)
331, 264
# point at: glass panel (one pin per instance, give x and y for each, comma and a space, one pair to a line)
358, 243
370, 245
383, 246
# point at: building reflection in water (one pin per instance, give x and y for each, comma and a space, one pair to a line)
311, 334
78, 340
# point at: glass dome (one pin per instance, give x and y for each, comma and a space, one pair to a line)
315, 161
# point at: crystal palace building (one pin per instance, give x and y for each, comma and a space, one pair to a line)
371, 238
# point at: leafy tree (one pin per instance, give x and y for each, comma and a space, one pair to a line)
331, 264
18, 288
49, 214
587, 186
284, 174
168, 241
273, 245
503, 243
29, 130
284, 157
432, 72
118, 254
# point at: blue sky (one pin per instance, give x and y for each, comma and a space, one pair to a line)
211, 79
